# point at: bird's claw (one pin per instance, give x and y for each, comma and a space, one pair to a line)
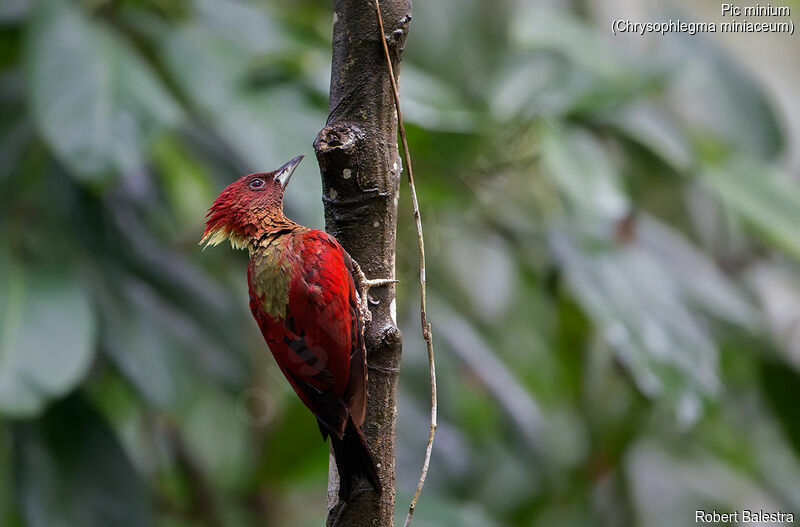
378, 282
366, 314
364, 285
363, 293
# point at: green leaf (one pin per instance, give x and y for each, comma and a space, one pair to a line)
434, 104
581, 168
671, 484
644, 307
654, 128
534, 26
540, 84
489, 295
701, 282
136, 339
71, 471
213, 73
12, 11
293, 450
776, 286
186, 182
242, 23
47, 335
95, 102
715, 95
767, 201
217, 433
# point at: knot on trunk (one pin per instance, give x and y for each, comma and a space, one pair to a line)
396, 38
337, 147
336, 141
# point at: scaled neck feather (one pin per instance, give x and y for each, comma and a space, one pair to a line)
271, 263
245, 231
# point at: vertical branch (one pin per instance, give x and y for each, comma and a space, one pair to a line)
358, 157
423, 312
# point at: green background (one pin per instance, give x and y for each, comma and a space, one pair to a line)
613, 232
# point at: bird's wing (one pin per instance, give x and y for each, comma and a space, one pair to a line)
318, 344
356, 393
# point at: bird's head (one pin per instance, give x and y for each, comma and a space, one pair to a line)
248, 207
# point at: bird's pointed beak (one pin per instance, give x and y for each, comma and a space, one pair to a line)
285, 172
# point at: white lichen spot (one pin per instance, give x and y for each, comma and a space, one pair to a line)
333, 194
375, 223
335, 18
346, 173
395, 165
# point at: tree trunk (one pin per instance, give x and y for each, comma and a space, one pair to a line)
361, 167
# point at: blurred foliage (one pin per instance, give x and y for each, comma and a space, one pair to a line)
613, 267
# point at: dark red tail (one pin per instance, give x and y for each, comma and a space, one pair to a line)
353, 460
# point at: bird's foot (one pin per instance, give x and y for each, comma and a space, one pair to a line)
363, 293
364, 285
378, 282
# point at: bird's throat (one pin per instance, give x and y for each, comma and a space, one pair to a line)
270, 273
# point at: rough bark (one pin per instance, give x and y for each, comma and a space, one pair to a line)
358, 157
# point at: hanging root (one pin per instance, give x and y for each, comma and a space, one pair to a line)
426, 327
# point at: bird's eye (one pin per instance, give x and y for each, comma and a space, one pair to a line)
256, 182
